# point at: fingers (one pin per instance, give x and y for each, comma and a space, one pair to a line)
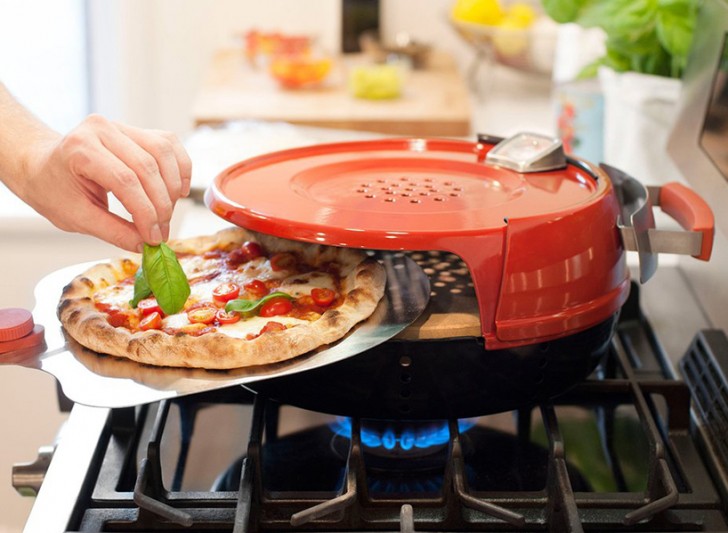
174, 163
97, 221
147, 170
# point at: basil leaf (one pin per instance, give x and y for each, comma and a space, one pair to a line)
248, 306
141, 288
563, 10
165, 277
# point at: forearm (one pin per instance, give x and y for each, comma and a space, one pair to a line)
21, 135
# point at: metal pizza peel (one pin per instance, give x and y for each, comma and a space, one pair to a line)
99, 380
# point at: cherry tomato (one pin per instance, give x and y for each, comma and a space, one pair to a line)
276, 306
223, 317
269, 326
118, 318
323, 296
212, 254
247, 252
283, 261
196, 329
202, 315
151, 321
272, 326
256, 288
149, 306
225, 292
114, 316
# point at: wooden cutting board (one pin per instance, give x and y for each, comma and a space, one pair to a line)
435, 100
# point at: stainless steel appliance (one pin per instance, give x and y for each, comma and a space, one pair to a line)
638, 446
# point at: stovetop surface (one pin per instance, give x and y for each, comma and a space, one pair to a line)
616, 452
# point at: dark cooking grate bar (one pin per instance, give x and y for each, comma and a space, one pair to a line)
557, 508
673, 500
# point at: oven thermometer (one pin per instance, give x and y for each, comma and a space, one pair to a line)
528, 152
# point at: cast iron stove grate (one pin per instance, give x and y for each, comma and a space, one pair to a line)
677, 493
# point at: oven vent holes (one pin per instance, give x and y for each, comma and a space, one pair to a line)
704, 368
449, 275
410, 190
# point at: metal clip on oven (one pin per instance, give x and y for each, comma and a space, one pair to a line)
637, 224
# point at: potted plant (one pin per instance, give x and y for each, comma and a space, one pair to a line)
647, 44
645, 36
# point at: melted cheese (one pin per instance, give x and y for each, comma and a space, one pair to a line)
253, 325
301, 284
116, 295
239, 329
207, 274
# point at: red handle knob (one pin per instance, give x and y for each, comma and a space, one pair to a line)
692, 213
15, 323
18, 330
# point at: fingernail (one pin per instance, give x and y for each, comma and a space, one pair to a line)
165, 231
156, 234
140, 247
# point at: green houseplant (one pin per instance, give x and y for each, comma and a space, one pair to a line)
646, 43
646, 36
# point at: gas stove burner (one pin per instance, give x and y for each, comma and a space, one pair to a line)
398, 438
310, 460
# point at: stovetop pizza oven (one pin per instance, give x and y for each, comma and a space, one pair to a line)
542, 236
532, 394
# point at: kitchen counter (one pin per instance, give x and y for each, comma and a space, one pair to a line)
435, 100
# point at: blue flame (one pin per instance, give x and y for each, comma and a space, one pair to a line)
431, 434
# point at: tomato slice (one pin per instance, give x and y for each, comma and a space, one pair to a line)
283, 261
272, 326
323, 296
202, 315
256, 288
225, 292
248, 251
269, 326
196, 329
151, 321
149, 306
118, 319
276, 306
223, 317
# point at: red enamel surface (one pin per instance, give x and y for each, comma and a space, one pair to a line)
15, 323
543, 249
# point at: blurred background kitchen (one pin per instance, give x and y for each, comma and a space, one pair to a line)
234, 78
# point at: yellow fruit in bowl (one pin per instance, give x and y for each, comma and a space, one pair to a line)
376, 82
488, 12
520, 15
510, 40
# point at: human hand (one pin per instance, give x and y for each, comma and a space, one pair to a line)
69, 178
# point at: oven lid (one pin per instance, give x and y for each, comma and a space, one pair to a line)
402, 193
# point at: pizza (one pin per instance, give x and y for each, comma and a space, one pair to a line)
295, 298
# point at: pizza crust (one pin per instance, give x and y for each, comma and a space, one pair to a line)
362, 285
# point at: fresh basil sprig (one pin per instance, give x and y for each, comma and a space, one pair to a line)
141, 288
249, 306
161, 275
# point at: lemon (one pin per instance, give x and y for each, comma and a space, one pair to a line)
510, 40
487, 12
520, 15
